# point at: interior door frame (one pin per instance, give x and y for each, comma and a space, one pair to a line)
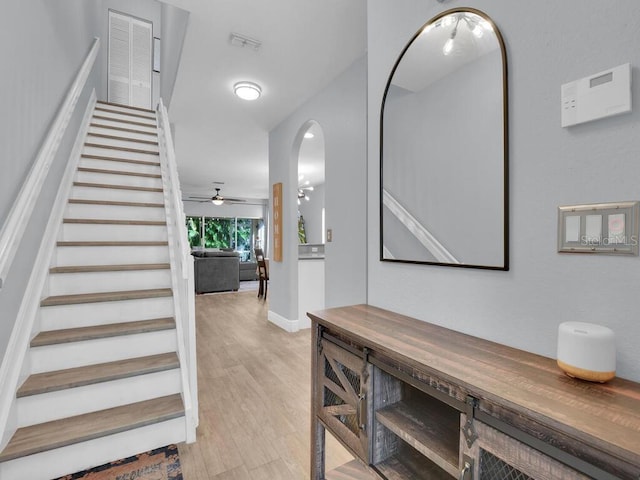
151, 37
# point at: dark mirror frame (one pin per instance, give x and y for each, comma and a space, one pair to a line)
505, 133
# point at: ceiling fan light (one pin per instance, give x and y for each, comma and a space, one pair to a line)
217, 201
247, 90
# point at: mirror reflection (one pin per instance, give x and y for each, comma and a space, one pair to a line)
443, 152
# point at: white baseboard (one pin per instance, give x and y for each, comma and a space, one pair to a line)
282, 322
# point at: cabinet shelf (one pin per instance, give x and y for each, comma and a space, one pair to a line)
411, 464
432, 429
354, 470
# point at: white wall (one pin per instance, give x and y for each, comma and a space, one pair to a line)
340, 111
174, 28
311, 210
42, 46
548, 43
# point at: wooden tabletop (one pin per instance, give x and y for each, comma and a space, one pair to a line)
606, 416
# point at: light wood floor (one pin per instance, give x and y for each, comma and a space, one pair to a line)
254, 392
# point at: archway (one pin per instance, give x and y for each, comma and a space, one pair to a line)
310, 218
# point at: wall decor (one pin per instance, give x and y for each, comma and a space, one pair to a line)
610, 228
443, 146
277, 222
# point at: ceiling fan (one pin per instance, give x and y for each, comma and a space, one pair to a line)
217, 199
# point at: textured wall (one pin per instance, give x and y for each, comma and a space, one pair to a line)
340, 111
548, 43
42, 46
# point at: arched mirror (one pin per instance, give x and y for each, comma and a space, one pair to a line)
444, 147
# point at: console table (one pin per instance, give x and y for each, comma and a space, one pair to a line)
412, 400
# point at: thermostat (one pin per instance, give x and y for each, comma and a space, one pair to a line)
598, 96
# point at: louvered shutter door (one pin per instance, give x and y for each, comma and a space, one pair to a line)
141, 64
129, 61
119, 59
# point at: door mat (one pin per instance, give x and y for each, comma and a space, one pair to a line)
159, 464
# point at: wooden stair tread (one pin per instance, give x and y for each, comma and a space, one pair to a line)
100, 243
130, 107
78, 298
89, 426
123, 129
118, 159
81, 334
118, 172
92, 374
129, 122
120, 112
82, 201
109, 268
102, 221
116, 187
121, 149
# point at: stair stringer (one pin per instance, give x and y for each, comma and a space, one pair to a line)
15, 366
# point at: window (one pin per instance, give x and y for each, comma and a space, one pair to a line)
239, 234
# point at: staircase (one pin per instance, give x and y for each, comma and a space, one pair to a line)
103, 379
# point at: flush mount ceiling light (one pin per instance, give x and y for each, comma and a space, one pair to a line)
247, 90
309, 135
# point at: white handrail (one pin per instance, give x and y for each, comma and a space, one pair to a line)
181, 272
18, 218
418, 230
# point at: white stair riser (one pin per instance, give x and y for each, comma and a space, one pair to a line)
123, 166
86, 232
89, 314
86, 210
77, 354
116, 194
122, 142
119, 133
69, 402
111, 179
124, 117
75, 458
109, 152
124, 109
116, 123
94, 282
65, 256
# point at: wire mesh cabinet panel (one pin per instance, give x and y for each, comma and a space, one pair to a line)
496, 456
341, 400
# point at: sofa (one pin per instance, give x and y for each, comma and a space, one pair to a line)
248, 271
216, 271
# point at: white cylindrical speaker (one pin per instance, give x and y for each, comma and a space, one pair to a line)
587, 351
